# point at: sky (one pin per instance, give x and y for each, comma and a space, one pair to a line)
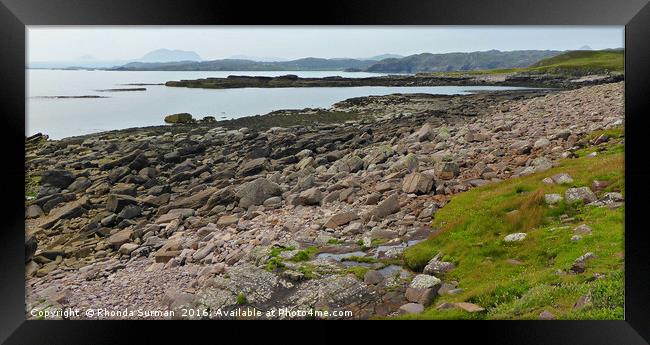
60, 43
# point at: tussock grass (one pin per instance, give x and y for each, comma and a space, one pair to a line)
472, 226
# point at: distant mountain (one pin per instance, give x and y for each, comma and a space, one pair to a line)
256, 58
425, 62
305, 64
585, 47
90, 62
490, 59
167, 55
384, 56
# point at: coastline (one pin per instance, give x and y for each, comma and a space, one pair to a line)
300, 209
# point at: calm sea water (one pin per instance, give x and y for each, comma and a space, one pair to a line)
60, 118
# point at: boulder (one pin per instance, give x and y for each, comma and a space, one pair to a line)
120, 237
447, 170
373, 277
425, 132
179, 118
311, 196
583, 194
227, 220
411, 308
252, 167
552, 199
57, 177
516, 237
255, 192
435, 267
417, 183
67, 211
387, 207
423, 289
562, 178
341, 219
79, 185
116, 202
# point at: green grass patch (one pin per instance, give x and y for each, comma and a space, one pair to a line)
241, 299
358, 271
519, 280
305, 255
573, 63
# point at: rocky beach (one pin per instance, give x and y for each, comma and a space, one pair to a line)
305, 210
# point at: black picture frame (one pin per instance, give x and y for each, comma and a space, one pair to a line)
15, 15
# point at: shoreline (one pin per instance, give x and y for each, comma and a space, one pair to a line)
421, 79
314, 215
338, 112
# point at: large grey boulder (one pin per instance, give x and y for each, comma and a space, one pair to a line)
57, 177
255, 192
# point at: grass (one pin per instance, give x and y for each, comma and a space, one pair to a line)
32, 185
472, 226
305, 255
580, 62
358, 271
241, 299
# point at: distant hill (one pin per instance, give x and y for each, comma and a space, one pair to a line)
384, 56
306, 64
582, 61
167, 55
492, 59
425, 62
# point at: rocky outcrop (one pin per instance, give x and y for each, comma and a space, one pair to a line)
309, 214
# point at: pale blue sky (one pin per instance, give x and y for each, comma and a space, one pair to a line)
54, 43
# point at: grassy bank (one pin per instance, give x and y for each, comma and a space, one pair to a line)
522, 279
580, 62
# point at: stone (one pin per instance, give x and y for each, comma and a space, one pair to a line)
57, 177
179, 118
129, 212
516, 237
387, 207
340, 219
379, 154
252, 167
203, 252
67, 211
311, 196
447, 170
583, 229
435, 267
351, 164
255, 192
373, 277
541, 143
425, 281
127, 248
469, 307
79, 185
583, 194
120, 237
562, 178
425, 132
417, 183
33, 211
227, 220
552, 199
273, 201
546, 315
408, 162
423, 289
116, 202
411, 308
